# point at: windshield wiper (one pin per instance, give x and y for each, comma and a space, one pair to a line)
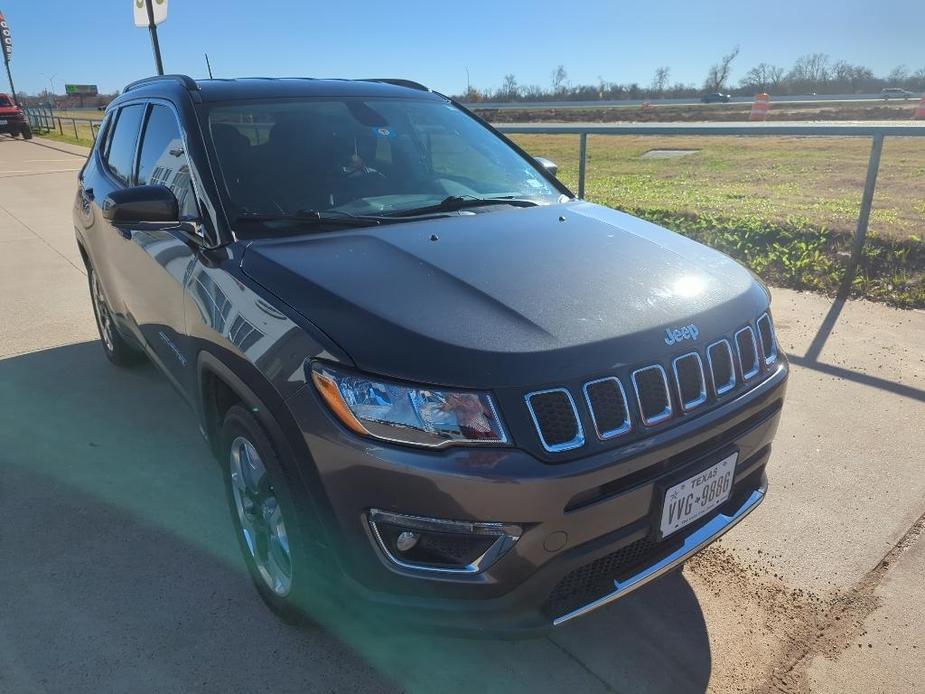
313, 218
460, 202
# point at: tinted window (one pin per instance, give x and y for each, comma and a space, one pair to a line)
4, 100
366, 156
163, 159
121, 151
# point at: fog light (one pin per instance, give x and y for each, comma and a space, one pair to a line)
406, 540
440, 546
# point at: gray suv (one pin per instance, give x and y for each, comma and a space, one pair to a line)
437, 385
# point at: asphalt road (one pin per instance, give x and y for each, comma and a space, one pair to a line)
687, 101
118, 571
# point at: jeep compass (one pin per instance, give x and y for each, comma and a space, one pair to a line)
436, 382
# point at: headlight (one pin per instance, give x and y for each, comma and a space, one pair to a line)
415, 415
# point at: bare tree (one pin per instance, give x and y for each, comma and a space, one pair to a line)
898, 75
719, 72
660, 79
812, 67
509, 89
559, 79
763, 78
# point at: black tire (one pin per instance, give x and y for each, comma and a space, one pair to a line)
14, 134
26, 132
115, 347
296, 604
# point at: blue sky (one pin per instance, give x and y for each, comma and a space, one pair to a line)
95, 41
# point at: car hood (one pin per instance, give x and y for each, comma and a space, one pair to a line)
511, 297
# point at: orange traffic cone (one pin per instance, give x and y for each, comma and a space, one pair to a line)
761, 107
920, 110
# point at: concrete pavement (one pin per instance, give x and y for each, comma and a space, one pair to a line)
119, 571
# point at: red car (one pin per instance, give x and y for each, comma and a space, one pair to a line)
12, 119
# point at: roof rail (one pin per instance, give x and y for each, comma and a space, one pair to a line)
185, 80
410, 84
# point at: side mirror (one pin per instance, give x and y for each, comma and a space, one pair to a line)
550, 166
141, 204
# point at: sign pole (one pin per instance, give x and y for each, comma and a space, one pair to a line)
152, 27
10, 77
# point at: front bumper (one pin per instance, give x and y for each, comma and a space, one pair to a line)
12, 126
605, 506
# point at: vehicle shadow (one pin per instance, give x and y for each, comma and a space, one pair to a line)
118, 571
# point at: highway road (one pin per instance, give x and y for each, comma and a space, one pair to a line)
118, 570
687, 101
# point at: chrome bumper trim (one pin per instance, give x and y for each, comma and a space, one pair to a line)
692, 544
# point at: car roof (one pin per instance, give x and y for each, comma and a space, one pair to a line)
278, 87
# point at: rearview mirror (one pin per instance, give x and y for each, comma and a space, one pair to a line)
141, 204
550, 166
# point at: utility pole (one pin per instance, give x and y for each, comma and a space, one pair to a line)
152, 27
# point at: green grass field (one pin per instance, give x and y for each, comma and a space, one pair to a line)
804, 181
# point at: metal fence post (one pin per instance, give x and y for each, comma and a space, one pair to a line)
867, 199
92, 132
582, 158
74, 122
60, 126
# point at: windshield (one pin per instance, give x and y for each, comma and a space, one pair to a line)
363, 157
5, 100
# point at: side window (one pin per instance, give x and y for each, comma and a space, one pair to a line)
120, 154
163, 160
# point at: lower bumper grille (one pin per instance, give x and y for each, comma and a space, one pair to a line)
593, 580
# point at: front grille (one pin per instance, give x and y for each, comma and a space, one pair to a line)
595, 579
748, 352
607, 402
651, 387
688, 374
676, 386
768, 343
719, 357
556, 419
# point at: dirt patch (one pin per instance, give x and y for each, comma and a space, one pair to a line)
772, 632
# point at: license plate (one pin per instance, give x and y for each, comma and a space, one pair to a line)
697, 495
2, 122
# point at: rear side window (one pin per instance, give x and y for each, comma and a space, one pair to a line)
121, 152
163, 159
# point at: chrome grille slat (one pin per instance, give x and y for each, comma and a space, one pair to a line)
552, 414
747, 350
596, 404
650, 398
716, 362
686, 367
768, 341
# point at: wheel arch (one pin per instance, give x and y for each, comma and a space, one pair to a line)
220, 387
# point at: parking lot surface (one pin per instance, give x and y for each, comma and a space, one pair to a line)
119, 571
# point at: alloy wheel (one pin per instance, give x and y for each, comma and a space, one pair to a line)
260, 517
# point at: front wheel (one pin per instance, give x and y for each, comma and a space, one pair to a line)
117, 350
26, 132
265, 519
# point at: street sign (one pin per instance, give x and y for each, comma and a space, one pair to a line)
158, 8
81, 89
6, 38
